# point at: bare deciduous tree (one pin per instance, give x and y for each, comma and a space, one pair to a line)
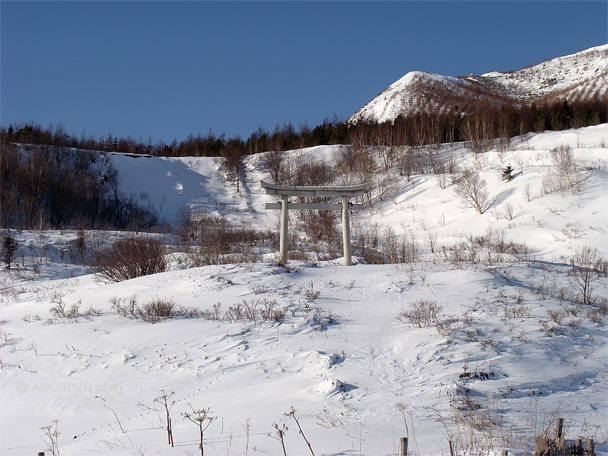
471, 131
564, 160
233, 161
473, 190
272, 163
584, 273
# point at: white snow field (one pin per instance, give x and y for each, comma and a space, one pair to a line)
508, 349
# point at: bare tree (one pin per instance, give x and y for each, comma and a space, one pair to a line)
478, 129
564, 160
473, 190
405, 162
272, 163
504, 131
431, 236
584, 273
233, 161
35, 183
386, 142
471, 131
434, 131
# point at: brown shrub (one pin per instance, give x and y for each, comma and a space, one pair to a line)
129, 258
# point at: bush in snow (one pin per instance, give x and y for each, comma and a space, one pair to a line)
129, 258
421, 313
156, 309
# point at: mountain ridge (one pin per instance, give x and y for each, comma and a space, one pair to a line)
582, 76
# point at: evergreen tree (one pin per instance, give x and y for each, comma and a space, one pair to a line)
507, 174
9, 250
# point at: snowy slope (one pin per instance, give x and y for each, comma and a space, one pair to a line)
509, 352
168, 184
583, 75
414, 92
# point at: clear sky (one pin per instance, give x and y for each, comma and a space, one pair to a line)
162, 70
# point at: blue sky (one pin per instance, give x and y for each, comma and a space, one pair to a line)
162, 70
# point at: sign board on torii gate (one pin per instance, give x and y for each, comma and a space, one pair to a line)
345, 206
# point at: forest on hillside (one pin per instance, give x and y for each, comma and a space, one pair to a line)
52, 179
58, 187
477, 122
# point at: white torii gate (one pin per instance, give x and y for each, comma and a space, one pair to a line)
345, 206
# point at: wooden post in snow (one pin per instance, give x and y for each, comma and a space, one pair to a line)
560, 428
590, 447
403, 446
560, 431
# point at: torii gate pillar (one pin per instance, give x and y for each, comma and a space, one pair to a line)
345, 206
346, 232
283, 236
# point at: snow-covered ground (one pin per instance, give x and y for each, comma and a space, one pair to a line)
508, 352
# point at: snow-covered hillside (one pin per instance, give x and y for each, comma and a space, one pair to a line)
571, 219
584, 75
581, 76
504, 349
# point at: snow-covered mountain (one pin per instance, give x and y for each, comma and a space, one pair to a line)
580, 76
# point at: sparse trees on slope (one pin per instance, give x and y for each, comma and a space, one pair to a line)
59, 187
478, 129
233, 159
10, 206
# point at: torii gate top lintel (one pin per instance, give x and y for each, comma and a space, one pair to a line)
345, 206
284, 190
